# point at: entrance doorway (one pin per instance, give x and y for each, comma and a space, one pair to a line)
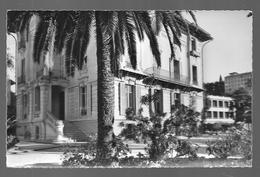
58, 102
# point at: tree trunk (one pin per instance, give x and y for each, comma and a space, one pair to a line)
105, 94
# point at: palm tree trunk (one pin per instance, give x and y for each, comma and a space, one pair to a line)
105, 94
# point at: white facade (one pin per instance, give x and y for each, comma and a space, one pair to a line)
47, 96
219, 110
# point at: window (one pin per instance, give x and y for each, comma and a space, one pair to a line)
209, 114
177, 99
194, 75
231, 114
193, 44
208, 103
226, 114
119, 99
23, 71
37, 99
91, 98
176, 69
83, 100
226, 104
215, 114
231, 104
221, 114
220, 104
158, 103
215, 103
37, 132
25, 109
130, 96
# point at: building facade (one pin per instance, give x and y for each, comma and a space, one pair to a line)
220, 110
235, 81
53, 103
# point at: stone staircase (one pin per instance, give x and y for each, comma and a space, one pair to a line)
72, 131
58, 127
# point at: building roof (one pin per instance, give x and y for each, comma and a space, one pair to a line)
219, 97
234, 74
195, 30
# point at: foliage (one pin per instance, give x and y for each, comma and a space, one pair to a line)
158, 132
243, 105
11, 141
215, 88
238, 141
86, 154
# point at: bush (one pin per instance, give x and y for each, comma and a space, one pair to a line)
11, 141
158, 132
238, 141
85, 155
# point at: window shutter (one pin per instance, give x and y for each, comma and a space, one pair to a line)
182, 98
80, 97
134, 98
122, 98
138, 97
152, 104
76, 103
161, 101
88, 100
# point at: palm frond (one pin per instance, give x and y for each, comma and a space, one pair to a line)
193, 16
64, 24
145, 23
158, 21
39, 39
85, 27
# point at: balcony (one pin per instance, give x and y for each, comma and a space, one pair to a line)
194, 53
167, 76
53, 74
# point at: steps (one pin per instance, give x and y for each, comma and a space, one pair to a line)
72, 131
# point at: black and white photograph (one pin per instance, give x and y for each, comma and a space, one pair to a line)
129, 88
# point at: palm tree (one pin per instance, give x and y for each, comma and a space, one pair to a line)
113, 29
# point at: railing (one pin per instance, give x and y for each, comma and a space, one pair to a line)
52, 118
167, 76
194, 53
54, 73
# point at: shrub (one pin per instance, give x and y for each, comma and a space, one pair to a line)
85, 155
238, 141
11, 141
158, 132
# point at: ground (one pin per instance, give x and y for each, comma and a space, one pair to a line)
29, 154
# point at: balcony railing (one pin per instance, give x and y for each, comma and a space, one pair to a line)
167, 76
54, 74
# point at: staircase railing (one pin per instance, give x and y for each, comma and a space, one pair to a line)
52, 118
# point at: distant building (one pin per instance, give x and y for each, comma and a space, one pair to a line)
235, 81
219, 110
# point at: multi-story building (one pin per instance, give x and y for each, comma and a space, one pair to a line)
52, 103
235, 81
220, 110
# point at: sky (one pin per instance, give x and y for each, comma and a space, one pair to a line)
231, 48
